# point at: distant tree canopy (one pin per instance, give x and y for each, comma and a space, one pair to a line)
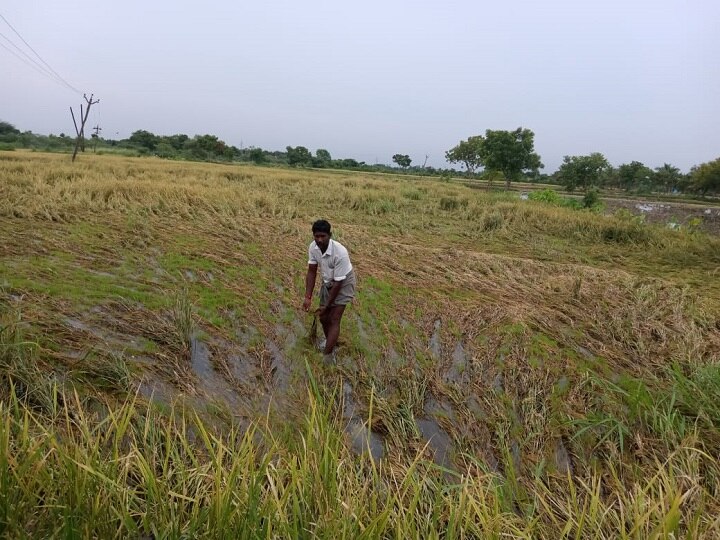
8, 131
467, 153
634, 175
669, 178
403, 160
144, 139
706, 177
298, 155
322, 158
508, 152
582, 171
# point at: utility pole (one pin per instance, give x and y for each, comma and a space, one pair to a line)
96, 136
424, 162
80, 141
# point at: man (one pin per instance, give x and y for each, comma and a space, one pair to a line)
338, 287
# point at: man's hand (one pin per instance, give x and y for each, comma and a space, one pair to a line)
307, 302
320, 311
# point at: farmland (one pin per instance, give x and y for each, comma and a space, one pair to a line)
507, 368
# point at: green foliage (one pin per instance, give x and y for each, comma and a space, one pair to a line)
298, 155
322, 158
635, 175
8, 132
144, 139
698, 393
591, 199
510, 152
468, 153
403, 160
669, 178
706, 177
582, 171
549, 196
256, 155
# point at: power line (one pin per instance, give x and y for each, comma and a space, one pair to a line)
30, 58
45, 73
71, 87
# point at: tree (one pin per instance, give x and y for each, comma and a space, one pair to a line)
298, 155
403, 160
668, 177
8, 132
582, 171
467, 153
322, 158
256, 155
634, 175
510, 152
144, 139
706, 177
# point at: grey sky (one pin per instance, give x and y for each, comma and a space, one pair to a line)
634, 79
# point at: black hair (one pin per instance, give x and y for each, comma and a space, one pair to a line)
322, 226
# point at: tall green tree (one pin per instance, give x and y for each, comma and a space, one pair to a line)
706, 177
668, 178
256, 155
403, 160
144, 139
8, 132
322, 157
468, 153
635, 175
582, 171
510, 152
298, 155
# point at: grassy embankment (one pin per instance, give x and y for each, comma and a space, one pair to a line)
521, 370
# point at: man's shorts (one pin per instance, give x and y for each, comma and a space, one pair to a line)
346, 293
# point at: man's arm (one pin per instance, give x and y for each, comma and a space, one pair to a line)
310, 285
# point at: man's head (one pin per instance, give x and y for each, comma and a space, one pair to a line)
321, 233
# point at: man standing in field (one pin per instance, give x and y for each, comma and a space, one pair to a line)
338, 287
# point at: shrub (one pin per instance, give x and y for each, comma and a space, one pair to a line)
549, 196
591, 199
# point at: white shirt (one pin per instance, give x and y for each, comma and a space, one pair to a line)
334, 263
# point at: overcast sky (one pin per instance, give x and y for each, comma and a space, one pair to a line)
633, 79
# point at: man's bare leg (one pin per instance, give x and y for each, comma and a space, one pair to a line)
334, 316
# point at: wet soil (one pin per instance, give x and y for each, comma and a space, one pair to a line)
671, 214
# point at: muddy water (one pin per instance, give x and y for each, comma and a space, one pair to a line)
242, 368
156, 390
349, 408
362, 439
278, 366
458, 368
212, 382
115, 340
435, 344
439, 408
438, 441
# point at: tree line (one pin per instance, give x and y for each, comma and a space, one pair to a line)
511, 156
498, 155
